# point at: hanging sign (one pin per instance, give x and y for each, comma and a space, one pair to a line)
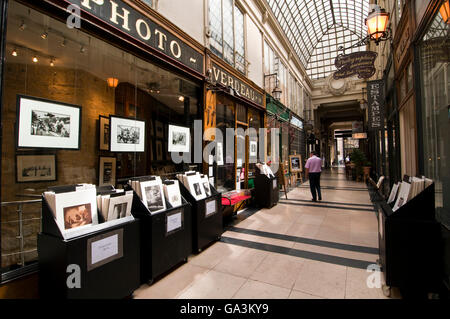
375, 94
357, 127
357, 63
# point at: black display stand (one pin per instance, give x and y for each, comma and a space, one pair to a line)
65, 260
161, 249
410, 245
267, 193
207, 221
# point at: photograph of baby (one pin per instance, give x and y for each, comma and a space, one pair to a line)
76, 216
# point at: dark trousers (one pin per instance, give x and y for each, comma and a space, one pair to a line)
314, 184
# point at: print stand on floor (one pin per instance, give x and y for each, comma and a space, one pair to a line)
207, 223
266, 190
165, 236
81, 267
410, 245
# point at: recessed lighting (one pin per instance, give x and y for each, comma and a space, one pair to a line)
181, 98
44, 35
14, 52
52, 62
35, 59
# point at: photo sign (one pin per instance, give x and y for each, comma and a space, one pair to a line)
356, 63
375, 94
128, 20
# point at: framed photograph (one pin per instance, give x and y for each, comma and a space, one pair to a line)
219, 153
127, 135
35, 168
47, 124
253, 148
107, 171
104, 133
179, 139
159, 151
153, 196
295, 163
159, 128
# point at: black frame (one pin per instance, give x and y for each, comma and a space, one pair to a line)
99, 168
100, 132
131, 119
37, 181
178, 125
20, 96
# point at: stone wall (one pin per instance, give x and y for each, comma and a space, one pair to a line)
58, 84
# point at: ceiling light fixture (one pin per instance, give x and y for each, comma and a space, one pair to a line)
22, 26
14, 52
35, 59
112, 82
181, 98
44, 35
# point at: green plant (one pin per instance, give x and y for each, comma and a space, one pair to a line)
359, 159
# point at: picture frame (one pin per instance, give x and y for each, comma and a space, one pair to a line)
179, 139
153, 196
295, 163
104, 133
159, 151
31, 168
47, 124
159, 129
107, 170
219, 152
253, 147
126, 134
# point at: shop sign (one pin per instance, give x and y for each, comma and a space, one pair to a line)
359, 136
123, 17
357, 127
357, 63
375, 93
219, 75
296, 122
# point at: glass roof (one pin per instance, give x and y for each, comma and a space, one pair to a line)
316, 28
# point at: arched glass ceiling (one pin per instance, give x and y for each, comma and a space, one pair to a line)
316, 28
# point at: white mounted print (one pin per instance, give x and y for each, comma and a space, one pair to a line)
127, 135
179, 139
47, 124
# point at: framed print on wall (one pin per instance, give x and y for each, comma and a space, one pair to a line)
159, 151
126, 135
35, 168
104, 133
47, 124
159, 128
179, 139
107, 171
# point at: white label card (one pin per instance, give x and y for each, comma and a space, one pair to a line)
210, 208
275, 184
174, 222
104, 249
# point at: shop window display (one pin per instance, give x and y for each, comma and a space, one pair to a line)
71, 68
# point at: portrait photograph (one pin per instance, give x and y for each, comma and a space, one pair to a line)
104, 133
35, 168
76, 216
179, 139
47, 124
107, 171
126, 135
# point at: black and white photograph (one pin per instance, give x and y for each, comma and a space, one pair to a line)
195, 186
159, 128
154, 198
47, 124
172, 193
219, 151
104, 133
127, 135
107, 171
35, 168
179, 139
119, 210
197, 189
207, 189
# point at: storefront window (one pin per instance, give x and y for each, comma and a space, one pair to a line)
435, 78
255, 122
70, 70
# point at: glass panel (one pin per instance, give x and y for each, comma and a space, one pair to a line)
70, 68
215, 25
240, 44
228, 31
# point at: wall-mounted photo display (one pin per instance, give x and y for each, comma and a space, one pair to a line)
159, 151
35, 168
104, 133
219, 153
47, 124
179, 139
159, 128
107, 171
127, 135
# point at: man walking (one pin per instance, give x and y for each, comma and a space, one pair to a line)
313, 169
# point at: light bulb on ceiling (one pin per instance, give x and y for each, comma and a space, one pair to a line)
14, 52
181, 99
64, 42
44, 35
35, 59
52, 62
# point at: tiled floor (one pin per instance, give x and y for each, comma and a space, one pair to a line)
296, 250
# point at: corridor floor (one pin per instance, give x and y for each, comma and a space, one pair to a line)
298, 249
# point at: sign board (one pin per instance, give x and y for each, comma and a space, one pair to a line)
357, 127
359, 136
376, 100
356, 63
297, 122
